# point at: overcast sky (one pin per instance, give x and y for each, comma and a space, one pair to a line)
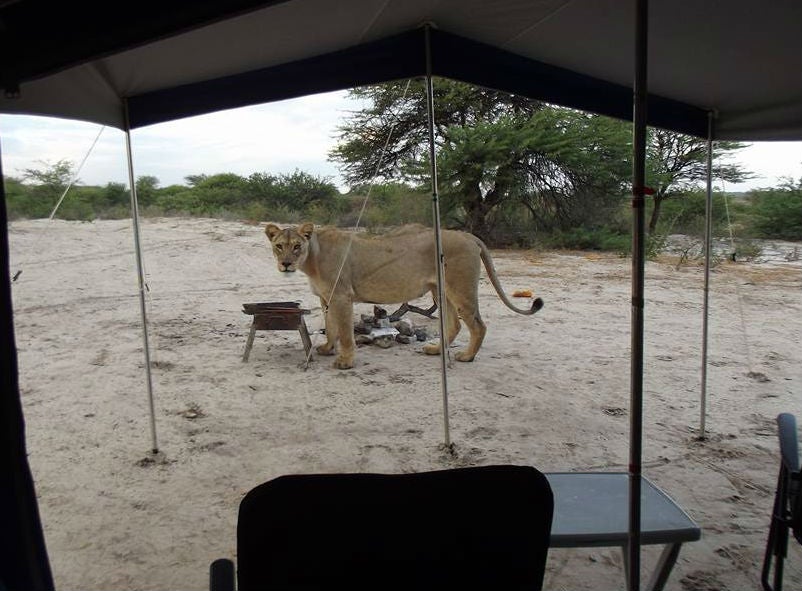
273, 138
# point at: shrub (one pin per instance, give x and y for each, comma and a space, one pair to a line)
393, 205
777, 212
685, 214
601, 238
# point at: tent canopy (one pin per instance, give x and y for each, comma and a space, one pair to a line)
740, 59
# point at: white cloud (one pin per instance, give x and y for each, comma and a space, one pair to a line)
28, 141
275, 138
770, 162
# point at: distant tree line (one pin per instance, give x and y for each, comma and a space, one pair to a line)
774, 213
259, 196
513, 171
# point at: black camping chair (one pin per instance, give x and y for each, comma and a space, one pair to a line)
787, 513
466, 528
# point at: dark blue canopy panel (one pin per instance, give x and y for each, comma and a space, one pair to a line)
404, 56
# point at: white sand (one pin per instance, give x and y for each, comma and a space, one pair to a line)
550, 391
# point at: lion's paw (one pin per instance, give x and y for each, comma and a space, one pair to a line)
341, 363
325, 349
464, 356
431, 349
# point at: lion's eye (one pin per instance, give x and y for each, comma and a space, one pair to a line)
296, 248
279, 247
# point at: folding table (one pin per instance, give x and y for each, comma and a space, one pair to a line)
591, 509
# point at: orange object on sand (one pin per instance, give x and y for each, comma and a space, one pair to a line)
522, 293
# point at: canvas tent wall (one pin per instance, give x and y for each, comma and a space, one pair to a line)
739, 60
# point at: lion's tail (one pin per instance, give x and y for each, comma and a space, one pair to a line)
537, 304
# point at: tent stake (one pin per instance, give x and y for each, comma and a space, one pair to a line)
440, 259
141, 278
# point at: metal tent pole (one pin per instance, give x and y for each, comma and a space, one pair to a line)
708, 251
640, 92
440, 259
141, 278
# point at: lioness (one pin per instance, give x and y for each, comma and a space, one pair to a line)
390, 269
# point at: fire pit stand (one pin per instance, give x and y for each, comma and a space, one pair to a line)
276, 316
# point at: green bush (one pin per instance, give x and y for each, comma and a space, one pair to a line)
27, 201
605, 224
258, 212
601, 238
187, 202
327, 212
655, 244
388, 204
76, 209
777, 212
685, 214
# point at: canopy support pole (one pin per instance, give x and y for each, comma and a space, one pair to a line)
640, 93
438, 241
141, 278
708, 253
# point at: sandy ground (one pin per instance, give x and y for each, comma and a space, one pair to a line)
550, 391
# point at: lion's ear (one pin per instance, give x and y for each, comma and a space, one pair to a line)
272, 230
306, 230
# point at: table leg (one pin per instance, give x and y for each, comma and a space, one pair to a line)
625, 556
249, 343
663, 567
305, 336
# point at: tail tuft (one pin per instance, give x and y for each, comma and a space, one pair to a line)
537, 305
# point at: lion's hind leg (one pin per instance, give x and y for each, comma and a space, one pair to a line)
469, 312
477, 328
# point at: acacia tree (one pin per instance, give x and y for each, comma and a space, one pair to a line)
493, 148
678, 164
50, 179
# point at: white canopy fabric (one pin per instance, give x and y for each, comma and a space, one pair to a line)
740, 59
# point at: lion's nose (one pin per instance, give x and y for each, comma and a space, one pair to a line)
285, 266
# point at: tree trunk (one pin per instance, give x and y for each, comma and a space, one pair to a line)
477, 220
658, 201
476, 211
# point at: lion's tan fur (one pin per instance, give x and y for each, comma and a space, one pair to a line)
390, 269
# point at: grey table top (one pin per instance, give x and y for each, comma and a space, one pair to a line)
592, 509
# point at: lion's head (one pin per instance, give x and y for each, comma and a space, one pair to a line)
290, 245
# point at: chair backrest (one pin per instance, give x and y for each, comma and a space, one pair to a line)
789, 452
484, 527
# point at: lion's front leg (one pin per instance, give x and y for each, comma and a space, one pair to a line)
327, 348
340, 318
